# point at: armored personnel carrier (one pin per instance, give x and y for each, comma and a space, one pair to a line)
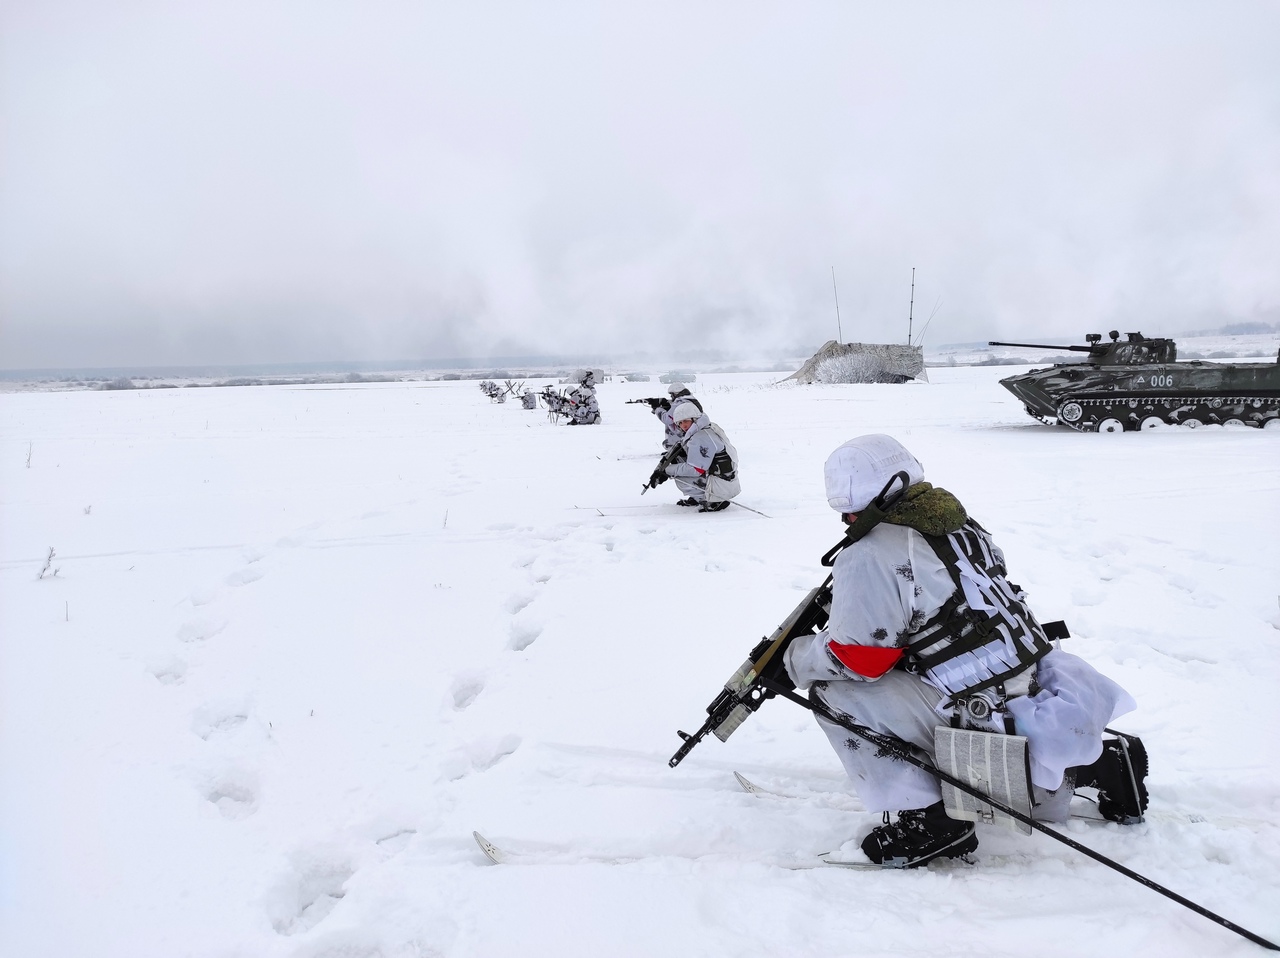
1138, 383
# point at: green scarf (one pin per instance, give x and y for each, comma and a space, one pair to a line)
933, 512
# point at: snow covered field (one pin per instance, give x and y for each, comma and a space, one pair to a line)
301, 641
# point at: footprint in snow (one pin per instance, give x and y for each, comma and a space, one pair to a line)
201, 628
478, 757
244, 576
523, 635
465, 690
234, 794
306, 896
204, 596
396, 842
168, 671
207, 723
516, 603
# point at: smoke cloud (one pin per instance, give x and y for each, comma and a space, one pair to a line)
289, 182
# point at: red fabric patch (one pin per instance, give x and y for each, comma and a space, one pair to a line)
871, 661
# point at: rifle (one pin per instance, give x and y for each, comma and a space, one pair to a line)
746, 690
556, 403
659, 475
654, 403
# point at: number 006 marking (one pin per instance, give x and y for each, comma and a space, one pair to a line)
1162, 381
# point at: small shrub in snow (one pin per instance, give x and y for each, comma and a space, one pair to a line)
48, 565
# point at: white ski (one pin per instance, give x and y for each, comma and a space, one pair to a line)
491, 851
841, 800
500, 856
546, 855
1178, 818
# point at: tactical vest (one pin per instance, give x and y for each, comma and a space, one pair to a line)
722, 473
984, 634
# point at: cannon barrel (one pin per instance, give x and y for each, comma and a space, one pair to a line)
1074, 349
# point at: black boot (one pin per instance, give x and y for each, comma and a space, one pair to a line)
688, 502
919, 836
1119, 775
713, 506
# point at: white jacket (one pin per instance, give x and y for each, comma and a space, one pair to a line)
702, 443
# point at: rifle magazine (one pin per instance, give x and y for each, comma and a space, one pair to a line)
730, 725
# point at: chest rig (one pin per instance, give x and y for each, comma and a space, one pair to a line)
984, 635
980, 645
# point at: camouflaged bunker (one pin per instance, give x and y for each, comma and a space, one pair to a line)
1138, 383
839, 362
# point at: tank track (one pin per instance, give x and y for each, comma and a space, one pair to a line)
1146, 411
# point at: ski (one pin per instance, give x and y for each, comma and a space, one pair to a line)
658, 509
1178, 818
841, 800
502, 856
547, 855
491, 851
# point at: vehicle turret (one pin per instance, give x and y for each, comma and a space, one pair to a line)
1135, 350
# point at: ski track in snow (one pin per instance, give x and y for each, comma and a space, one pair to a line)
442, 615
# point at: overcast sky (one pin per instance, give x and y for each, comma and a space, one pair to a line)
220, 182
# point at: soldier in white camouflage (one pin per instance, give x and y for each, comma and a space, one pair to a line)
584, 408
925, 629
708, 471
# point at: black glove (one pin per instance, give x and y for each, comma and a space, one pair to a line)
658, 478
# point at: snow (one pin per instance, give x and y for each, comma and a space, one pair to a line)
301, 641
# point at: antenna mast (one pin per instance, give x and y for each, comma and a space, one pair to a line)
911, 308
839, 332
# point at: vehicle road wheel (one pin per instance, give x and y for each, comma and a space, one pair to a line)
1070, 412
1153, 422
1192, 423
1272, 423
1234, 422
1111, 425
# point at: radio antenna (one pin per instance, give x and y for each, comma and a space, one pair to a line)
839, 332
911, 308
920, 341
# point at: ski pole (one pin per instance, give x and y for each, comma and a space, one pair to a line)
898, 748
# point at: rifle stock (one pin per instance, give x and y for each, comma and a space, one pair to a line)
744, 692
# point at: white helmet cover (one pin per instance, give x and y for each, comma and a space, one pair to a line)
674, 388
683, 409
857, 471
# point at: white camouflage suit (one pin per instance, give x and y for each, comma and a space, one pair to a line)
694, 477
671, 433
585, 408
885, 587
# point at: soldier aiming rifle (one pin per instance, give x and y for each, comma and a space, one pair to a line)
918, 644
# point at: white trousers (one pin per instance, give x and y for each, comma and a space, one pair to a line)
1063, 723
